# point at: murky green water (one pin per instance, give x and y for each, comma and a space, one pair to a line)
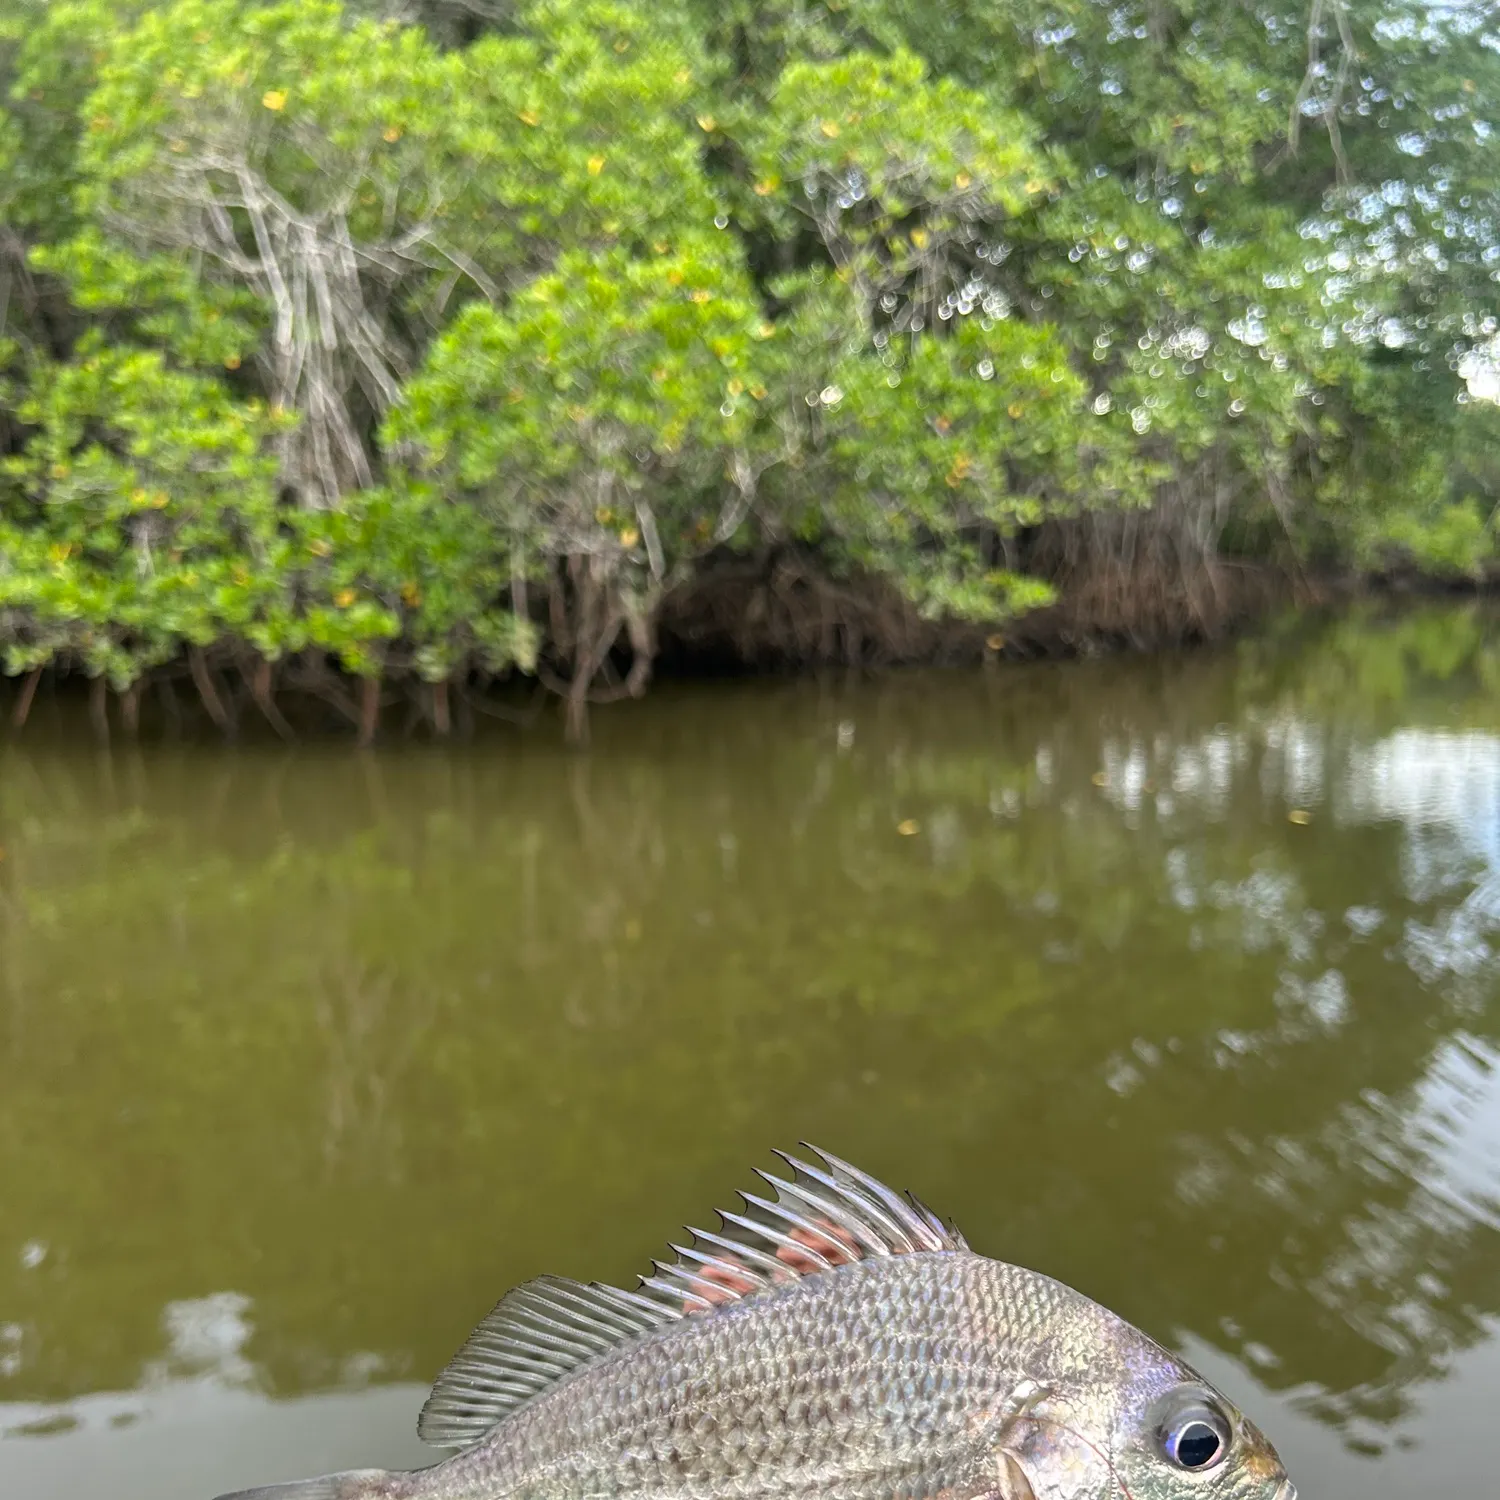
305, 1057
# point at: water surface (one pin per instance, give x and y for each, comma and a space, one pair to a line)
1176, 978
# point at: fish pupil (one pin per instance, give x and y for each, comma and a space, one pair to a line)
1197, 1446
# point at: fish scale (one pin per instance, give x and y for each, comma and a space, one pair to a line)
837, 1383
837, 1342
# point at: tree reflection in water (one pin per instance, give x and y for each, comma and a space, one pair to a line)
1174, 978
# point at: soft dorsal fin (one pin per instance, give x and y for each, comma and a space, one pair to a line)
821, 1218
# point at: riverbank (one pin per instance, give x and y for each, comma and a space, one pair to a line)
777, 615
781, 612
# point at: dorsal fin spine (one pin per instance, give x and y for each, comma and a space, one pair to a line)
681, 1292
799, 1192
925, 1239
747, 1253
797, 1221
942, 1231
680, 1278
704, 1258
649, 1305
895, 1234
765, 1231
779, 1208
671, 1277
551, 1329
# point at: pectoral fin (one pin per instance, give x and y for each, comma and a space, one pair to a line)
998, 1471
1013, 1483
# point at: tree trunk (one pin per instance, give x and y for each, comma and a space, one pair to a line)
203, 680
576, 714
369, 712
130, 710
22, 711
262, 688
442, 719
641, 628
589, 621
99, 708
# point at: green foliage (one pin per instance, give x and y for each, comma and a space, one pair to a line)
917, 449
605, 383
49, 57
604, 418
402, 562
293, 92
1447, 541
138, 519
154, 300
584, 129
495, 319
878, 131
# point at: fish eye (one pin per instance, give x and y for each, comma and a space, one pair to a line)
1196, 1437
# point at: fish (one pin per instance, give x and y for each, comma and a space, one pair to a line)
831, 1339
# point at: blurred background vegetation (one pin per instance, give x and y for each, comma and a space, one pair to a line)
379, 352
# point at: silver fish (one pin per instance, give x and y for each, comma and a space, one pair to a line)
834, 1341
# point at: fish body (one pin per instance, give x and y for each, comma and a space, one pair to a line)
837, 1342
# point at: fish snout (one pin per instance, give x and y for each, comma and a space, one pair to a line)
1286, 1491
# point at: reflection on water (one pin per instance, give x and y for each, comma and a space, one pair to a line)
1177, 979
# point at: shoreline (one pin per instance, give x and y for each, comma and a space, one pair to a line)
224, 692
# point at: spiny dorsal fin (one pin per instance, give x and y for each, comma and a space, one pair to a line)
821, 1218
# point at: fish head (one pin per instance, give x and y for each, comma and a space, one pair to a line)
1188, 1442
1137, 1425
